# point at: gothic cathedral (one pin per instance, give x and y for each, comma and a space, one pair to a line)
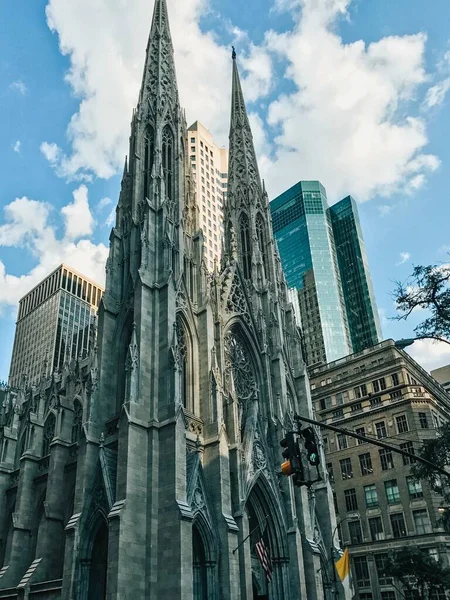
139, 471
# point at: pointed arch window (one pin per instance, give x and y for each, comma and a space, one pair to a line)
149, 152
183, 356
49, 433
77, 421
245, 245
168, 160
260, 232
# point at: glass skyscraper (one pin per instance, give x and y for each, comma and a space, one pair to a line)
359, 298
302, 228
324, 258
54, 322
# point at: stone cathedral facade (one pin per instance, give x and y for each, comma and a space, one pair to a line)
138, 470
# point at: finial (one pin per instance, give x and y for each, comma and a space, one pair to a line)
102, 439
233, 54
125, 168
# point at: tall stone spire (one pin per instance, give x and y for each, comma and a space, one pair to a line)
243, 178
159, 84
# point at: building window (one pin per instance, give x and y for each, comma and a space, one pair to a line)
395, 379
379, 385
354, 530
365, 463
245, 245
414, 488
346, 468
402, 424
361, 571
380, 428
380, 563
338, 413
375, 401
341, 397
325, 403
49, 433
376, 529
350, 500
398, 525
421, 521
356, 407
77, 421
360, 431
342, 441
360, 391
168, 160
330, 472
386, 459
407, 447
423, 420
371, 495
365, 596
392, 492
388, 595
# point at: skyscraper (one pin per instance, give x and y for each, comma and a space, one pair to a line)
149, 469
359, 297
209, 164
53, 323
302, 228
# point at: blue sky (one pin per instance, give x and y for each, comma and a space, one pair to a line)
354, 93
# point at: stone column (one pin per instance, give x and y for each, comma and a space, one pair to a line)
23, 519
245, 559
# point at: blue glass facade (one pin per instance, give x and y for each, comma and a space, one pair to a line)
303, 230
359, 298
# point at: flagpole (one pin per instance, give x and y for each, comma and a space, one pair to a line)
254, 529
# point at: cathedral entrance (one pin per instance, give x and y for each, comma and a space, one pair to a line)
99, 564
200, 583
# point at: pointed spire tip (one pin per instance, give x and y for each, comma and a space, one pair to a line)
233, 54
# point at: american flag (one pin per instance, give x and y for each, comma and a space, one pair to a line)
264, 558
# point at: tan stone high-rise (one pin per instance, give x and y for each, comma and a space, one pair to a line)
210, 167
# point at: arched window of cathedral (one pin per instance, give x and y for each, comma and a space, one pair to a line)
200, 580
184, 357
77, 421
149, 152
240, 379
246, 245
260, 232
168, 160
49, 433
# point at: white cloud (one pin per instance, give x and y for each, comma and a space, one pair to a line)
346, 122
16, 147
404, 257
430, 354
52, 152
385, 209
103, 203
111, 218
77, 216
436, 94
19, 87
28, 227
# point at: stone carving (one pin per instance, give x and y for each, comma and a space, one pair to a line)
236, 302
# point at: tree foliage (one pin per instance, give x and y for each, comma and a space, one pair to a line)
437, 451
420, 574
427, 288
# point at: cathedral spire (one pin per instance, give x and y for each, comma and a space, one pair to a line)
243, 176
159, 85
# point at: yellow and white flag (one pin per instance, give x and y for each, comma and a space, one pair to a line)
343, 569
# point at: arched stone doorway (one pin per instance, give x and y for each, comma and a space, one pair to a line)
200, 582
98, 564
264, 521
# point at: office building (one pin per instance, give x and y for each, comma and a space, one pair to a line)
302, 229
324, 257
209, 164
380, 392
150, 468
359, 298
442, 376
53, 323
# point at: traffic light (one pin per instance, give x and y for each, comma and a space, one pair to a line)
311, 446
292, 464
